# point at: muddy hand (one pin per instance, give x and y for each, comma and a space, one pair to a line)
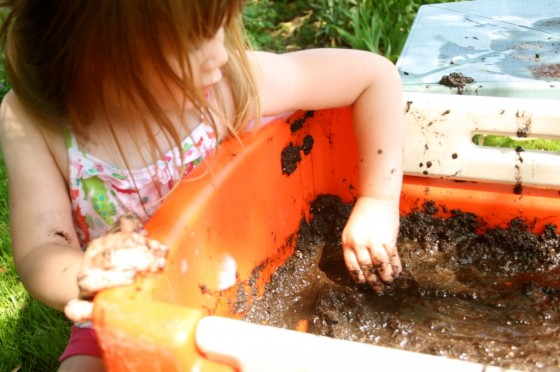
79, 311
369, 243
114, 260
371, 266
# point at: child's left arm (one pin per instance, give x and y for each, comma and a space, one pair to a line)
329, 78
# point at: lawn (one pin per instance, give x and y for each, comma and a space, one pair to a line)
33, 335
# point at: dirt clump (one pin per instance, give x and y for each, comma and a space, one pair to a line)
456, 80
490, 298
290, 158
550, 71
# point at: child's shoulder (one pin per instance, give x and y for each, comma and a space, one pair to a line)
10, 105
21, 131
15, 116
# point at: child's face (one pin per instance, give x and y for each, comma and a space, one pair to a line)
206, 62
208, 59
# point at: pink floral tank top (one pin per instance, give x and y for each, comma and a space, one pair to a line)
100, 192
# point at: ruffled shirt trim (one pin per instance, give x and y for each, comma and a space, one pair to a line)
100, 191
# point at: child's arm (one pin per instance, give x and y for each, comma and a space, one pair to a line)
45, 246
46, 251
328, 78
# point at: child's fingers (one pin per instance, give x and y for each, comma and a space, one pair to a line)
385, 272
381, 263
140, 259
160, 252
78, 310
373, 279
157, 247
365, 267
395, 262
373, 265
94, 280
352, 265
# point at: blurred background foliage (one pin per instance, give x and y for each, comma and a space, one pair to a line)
379, 26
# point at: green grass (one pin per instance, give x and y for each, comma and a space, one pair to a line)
379, 26
525, 144
32, 335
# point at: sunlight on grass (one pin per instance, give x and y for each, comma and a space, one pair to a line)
379, 26
509, 142
32, 335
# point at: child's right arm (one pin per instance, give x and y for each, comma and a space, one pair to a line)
48, 257
45, 246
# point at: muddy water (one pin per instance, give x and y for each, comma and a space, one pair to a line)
492, 299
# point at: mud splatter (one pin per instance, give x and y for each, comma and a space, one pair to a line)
307, 144
290, 158
62, 234
298, 123
456, 80
547, 71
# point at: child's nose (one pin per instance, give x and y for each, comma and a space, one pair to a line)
214, 61
215, 53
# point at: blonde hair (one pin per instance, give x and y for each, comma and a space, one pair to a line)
60, 55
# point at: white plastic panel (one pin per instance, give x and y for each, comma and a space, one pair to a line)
251, 347
511, 48
440, 128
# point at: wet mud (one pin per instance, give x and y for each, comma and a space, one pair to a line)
491, 298
456, 80
292, 154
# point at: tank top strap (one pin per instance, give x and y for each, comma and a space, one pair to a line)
69, 138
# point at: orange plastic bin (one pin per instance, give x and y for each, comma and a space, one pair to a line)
239, 211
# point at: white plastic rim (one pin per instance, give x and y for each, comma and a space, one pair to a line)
251, 347
440, 128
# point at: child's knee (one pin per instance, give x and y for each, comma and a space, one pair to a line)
82, 363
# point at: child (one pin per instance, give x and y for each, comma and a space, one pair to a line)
114, 101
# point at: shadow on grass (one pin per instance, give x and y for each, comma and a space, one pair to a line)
37, 338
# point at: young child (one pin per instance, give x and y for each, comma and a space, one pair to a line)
114, 101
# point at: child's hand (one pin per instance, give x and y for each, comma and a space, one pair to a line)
369, 242
114, 260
